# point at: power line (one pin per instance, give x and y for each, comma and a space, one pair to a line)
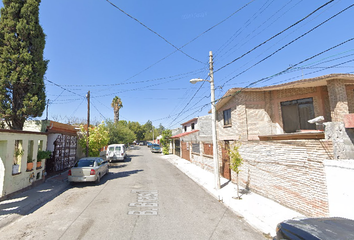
294, 40
195, 38
245, 39
154, 32
291, 67
274, 36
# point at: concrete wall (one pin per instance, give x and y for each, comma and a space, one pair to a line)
340, 179
10, 182
342, 139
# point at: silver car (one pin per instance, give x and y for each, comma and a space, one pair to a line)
89, 169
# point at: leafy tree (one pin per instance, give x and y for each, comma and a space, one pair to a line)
160, 129
116, 105
98, 138
165, 141
119, 133
22, 41
138, 130
235, 162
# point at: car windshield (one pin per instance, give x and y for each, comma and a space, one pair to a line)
85, 163
156, 145
111, 149
118, 148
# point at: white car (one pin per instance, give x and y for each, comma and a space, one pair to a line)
89, 169
116, 152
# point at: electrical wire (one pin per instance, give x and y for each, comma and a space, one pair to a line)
274, 36
294, 40
154, 32
192, 40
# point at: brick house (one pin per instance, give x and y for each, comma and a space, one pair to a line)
286, 158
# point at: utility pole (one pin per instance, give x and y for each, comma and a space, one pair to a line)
88, 123
213, 123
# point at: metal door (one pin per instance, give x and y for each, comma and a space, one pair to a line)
185, 151
177, 148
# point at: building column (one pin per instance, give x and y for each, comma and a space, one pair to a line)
338, 101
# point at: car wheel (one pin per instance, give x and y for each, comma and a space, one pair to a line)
98, 179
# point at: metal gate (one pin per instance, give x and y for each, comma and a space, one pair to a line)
177, 148
185, 151
64, 153
225, 168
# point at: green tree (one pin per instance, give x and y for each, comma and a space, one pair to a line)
116, 105
22, 41
138, 130
119, 133
165, 141
235, 162
160, 129
98, 138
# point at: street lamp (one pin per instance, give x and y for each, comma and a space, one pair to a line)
213, 116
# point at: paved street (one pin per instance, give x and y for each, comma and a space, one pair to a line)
144, 197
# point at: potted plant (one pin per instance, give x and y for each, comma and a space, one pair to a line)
29, 163
42, 155
17, 156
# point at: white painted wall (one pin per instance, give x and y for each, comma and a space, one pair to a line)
340, 183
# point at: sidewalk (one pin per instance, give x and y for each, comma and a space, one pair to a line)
22, 203
260, 212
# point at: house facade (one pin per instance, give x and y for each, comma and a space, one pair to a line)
287, 158
17, 148
62, 142
194, 143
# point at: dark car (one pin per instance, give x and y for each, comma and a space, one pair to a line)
316, 229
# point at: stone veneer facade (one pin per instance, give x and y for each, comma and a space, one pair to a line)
290, 172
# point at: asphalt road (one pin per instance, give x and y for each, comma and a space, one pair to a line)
144, 197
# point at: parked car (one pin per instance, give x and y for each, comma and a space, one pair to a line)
316, 229
116, 152
89, 169
156, 148
148, 144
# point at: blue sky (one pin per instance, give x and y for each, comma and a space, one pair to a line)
93, 46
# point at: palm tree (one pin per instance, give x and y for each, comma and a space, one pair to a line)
116, 105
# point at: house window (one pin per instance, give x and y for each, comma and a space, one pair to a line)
227, 117
185, 128
192, 125
296, 113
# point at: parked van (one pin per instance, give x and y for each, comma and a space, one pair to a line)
115, 152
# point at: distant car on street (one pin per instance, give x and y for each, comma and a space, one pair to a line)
89, 169
148, 144
315, 229
155, 148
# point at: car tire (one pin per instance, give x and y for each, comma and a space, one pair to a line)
98, 180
